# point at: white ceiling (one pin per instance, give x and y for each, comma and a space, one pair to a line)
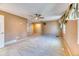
27, 9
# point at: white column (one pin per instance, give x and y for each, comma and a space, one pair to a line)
29, 28
1, 31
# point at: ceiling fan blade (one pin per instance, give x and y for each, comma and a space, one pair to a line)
42, 17
36, 16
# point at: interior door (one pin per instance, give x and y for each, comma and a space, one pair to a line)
1, 31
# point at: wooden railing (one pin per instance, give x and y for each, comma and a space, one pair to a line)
67, 13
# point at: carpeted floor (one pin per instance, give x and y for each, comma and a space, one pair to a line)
34, 46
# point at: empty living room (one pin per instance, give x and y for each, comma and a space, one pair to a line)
39, 29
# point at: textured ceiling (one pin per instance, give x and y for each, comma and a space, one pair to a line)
27, 9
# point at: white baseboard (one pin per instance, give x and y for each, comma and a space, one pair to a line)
10, 42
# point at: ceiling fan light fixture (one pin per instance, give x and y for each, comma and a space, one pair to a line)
36, 18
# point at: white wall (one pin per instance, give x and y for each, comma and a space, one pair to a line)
51, 28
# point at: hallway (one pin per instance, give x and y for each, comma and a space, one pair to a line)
45, 45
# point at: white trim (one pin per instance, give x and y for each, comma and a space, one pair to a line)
10, 42
72, 19
78, 31
52, 17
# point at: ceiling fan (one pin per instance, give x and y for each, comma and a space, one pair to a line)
37, 16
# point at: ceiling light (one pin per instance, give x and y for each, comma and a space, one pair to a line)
36, 18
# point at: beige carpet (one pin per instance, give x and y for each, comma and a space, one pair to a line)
34, 46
